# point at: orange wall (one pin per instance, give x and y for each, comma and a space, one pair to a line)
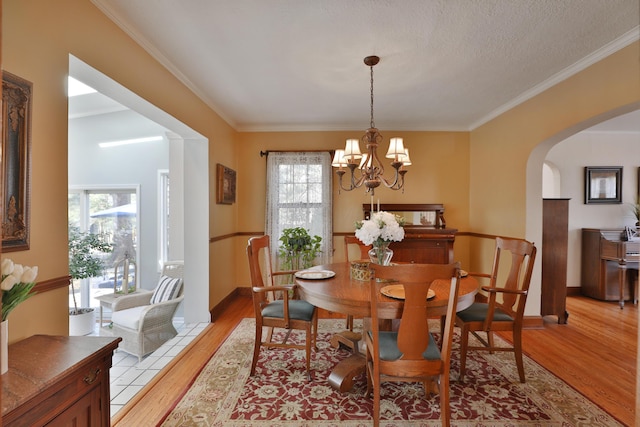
38, 36
506, 171
438, 175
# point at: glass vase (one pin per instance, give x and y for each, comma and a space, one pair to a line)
381, 254
4, 339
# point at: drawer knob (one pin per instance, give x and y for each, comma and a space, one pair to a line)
92, 377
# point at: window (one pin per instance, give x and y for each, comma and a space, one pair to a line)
299, 195
111, 212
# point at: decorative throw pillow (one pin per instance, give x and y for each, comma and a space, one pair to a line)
168, 288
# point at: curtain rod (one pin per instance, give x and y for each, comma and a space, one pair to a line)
266, 153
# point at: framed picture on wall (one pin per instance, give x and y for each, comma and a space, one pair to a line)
226, 185
603, 184
16, 162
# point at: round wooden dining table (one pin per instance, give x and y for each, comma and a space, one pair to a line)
341, 294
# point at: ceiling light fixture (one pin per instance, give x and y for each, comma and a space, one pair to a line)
370, 167
129, 141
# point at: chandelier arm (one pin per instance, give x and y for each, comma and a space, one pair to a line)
388, 183
354, 183
357, 183
342, 187
399, 180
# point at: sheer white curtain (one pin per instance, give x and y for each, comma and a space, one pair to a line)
299, 195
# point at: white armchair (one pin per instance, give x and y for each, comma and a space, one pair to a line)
144, 320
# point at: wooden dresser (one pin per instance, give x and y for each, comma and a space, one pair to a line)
58, 381
423, 244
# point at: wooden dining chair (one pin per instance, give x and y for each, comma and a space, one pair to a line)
503, 309
353, 240
274, 306
411, 354
349, 241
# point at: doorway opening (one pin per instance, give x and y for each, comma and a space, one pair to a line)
111, 213
187, 221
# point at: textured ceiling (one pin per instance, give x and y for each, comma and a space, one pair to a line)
445, 64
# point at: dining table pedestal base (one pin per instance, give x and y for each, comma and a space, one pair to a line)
342, 376
348, 339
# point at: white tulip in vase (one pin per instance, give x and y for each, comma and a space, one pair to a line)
17, 284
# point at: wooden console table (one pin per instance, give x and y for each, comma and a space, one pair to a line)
58, 380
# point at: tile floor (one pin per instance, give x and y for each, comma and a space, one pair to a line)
128, 376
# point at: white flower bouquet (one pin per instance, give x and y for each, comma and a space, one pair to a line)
17, 283
382, 228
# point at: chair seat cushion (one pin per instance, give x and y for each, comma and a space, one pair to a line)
298, 310
129, 318
389, 347
478, 311
168, 288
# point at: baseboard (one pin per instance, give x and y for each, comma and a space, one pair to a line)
532, 322
217, 310
243, 291
573, 291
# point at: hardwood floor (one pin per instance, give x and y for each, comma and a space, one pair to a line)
595, 353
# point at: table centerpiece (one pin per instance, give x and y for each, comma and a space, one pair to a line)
379, 231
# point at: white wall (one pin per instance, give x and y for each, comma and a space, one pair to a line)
135, 165
589, 148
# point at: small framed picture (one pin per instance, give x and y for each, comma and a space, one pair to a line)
603, 184
226, 185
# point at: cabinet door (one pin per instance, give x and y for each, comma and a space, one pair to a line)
85, 412
421, 251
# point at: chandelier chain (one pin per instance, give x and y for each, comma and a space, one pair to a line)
372, 122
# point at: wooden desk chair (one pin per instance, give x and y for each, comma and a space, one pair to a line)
274, 307
504, 313
411, 354
349, 241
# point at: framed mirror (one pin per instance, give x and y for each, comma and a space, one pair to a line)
429, 215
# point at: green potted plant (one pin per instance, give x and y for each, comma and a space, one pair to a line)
298, 249
84, 263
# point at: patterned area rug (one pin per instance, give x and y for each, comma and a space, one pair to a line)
280, 395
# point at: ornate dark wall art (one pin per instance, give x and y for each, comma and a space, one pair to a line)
226, 185
16, 162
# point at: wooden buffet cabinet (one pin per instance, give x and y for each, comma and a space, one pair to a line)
426, 239
58, 381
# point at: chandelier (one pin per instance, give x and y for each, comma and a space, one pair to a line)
370, 170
